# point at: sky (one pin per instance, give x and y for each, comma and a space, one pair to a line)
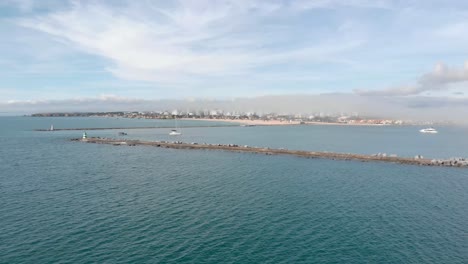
53, 52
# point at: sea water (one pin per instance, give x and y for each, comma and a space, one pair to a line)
69, 202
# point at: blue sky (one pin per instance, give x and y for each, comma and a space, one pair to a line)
57, 50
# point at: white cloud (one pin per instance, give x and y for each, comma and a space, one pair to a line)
438, 80
442, 74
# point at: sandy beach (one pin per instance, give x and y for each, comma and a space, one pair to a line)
250, 122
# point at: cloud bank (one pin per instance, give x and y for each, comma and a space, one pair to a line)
414, 108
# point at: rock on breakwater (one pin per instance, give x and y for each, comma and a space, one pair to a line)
459, 162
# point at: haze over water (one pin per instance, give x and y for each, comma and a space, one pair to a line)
68, 202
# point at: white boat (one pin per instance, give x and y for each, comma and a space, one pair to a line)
175, 132
428, 130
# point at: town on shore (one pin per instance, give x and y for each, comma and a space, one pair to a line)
246, 118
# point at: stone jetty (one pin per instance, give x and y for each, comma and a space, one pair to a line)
458, 162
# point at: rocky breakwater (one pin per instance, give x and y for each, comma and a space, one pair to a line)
418, 160
452, 162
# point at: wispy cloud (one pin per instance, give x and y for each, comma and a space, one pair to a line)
186, 40
437, 80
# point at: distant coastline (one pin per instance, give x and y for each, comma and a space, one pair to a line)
244, 119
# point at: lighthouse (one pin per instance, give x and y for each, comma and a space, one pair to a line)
85, 136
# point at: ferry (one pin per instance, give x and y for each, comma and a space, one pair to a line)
428, 130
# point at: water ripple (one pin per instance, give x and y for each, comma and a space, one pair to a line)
76, 203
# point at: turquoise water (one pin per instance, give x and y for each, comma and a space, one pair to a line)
68, 202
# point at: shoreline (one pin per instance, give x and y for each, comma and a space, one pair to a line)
281, 123
247, 121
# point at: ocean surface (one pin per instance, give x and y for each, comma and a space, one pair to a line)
69, 202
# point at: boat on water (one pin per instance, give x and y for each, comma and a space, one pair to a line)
174, 132
122, 134
428, 131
